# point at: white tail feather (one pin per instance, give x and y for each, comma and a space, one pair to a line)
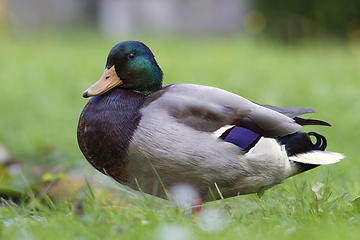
317, 157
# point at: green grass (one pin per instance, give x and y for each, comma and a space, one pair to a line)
288, 212
42, 80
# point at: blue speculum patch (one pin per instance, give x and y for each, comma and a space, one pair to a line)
242, 137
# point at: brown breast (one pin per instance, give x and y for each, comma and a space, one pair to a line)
105, 129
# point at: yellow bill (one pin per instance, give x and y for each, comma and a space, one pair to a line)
107, 81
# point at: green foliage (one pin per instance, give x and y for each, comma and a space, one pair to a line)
50, 177
356, 204
261, 192
292, 20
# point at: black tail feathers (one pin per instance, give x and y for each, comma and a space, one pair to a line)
300, 142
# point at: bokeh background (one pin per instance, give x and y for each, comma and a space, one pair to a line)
287, 53
285, 20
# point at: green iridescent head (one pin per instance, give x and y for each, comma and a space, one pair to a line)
130, 65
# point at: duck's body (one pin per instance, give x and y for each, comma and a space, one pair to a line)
191, 134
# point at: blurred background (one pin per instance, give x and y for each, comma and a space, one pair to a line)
286, 20
287, 53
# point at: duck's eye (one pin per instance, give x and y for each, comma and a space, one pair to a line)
130, 56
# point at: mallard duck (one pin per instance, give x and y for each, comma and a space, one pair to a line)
153, 137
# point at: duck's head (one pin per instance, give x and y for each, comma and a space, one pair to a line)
130, 65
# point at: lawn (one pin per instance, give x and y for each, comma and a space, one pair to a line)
42, 80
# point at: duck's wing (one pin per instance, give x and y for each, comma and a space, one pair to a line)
208, 109
294, 112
